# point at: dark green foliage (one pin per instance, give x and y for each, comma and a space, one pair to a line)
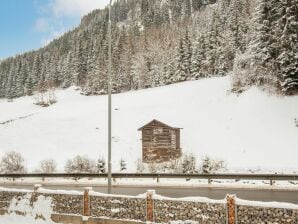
162, 42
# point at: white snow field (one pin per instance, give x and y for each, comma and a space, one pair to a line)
251, 130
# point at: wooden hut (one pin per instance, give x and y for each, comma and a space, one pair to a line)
160, 142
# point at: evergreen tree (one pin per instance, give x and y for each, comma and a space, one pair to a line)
101, 165
122, 165
198, 58
288, 58
207, 165
257, 40
36, 70
184, 57
189, 164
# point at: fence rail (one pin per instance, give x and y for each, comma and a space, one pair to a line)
271, 177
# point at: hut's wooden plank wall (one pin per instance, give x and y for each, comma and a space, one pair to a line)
160, 142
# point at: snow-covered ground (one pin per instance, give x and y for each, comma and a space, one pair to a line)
150, 183
21, 212
252, 130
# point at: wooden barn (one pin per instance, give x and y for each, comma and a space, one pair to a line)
160, 142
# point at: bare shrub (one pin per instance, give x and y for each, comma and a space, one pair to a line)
45, 94
12, 162
47, 166
80, 164
212, 165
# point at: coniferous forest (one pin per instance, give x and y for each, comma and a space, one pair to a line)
159, 42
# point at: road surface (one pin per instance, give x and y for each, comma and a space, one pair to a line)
278, 195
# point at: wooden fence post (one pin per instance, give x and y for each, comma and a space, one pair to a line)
87, 210
231, 209
150, 206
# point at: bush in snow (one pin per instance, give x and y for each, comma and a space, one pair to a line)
173, 166
122, 165
12, 162
80, 164
248, 72
153, 168
189, 164
47, 166
141, 167
101, 165
211, 166
46, 94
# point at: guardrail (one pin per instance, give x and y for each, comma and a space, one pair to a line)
158, 176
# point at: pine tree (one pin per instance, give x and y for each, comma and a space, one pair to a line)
207, 165
101, 165
67, 72
256, 39
237, 25
198, 58
212, 45
122, 165
189, 164
11, 88
29, 87
288, 58
184, 56
79, 64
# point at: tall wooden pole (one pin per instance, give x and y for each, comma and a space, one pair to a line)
110, 104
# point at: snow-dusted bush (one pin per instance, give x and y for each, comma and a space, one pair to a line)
46, 94
247, 71
153, 168
47, 166
243, 71
101, 165
122, 165
189, 162
80, 164
12, 162
212, 165
141, 167
186, 164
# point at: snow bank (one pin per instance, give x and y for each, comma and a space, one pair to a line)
191, 199
15, 190
266, 204
251, 130
98, 194
184, 222
49, 191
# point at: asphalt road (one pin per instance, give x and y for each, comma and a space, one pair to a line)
289, 196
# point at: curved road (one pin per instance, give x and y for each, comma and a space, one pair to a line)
278, 195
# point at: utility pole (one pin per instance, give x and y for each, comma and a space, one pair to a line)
110, 104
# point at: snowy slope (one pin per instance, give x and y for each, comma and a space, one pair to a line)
248, 131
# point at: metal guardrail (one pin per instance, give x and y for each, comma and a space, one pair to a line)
271, 177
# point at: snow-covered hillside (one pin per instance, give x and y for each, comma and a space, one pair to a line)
250, 130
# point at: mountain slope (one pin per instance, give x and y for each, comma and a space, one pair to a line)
155, 43
248, 131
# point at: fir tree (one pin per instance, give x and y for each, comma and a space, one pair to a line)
101, 165
288, 58
122, 165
